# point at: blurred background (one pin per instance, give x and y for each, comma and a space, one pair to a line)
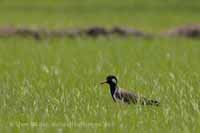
54, 53
152, 16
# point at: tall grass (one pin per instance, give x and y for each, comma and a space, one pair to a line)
53, 85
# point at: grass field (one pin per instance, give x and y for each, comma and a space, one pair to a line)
150, 16
53, 85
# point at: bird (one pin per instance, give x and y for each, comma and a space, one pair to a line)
124, 96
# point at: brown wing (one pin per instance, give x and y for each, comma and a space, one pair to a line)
128, 97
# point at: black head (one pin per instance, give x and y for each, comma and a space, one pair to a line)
111, 80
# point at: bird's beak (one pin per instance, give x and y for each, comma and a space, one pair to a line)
103, 82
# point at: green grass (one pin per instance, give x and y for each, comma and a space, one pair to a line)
57, 82
148, 16
53, 85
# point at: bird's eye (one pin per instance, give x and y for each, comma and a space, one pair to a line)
114, 81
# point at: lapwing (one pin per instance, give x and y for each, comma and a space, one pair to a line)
125, 96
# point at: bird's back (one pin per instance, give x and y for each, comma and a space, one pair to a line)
126, 96
131, 97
